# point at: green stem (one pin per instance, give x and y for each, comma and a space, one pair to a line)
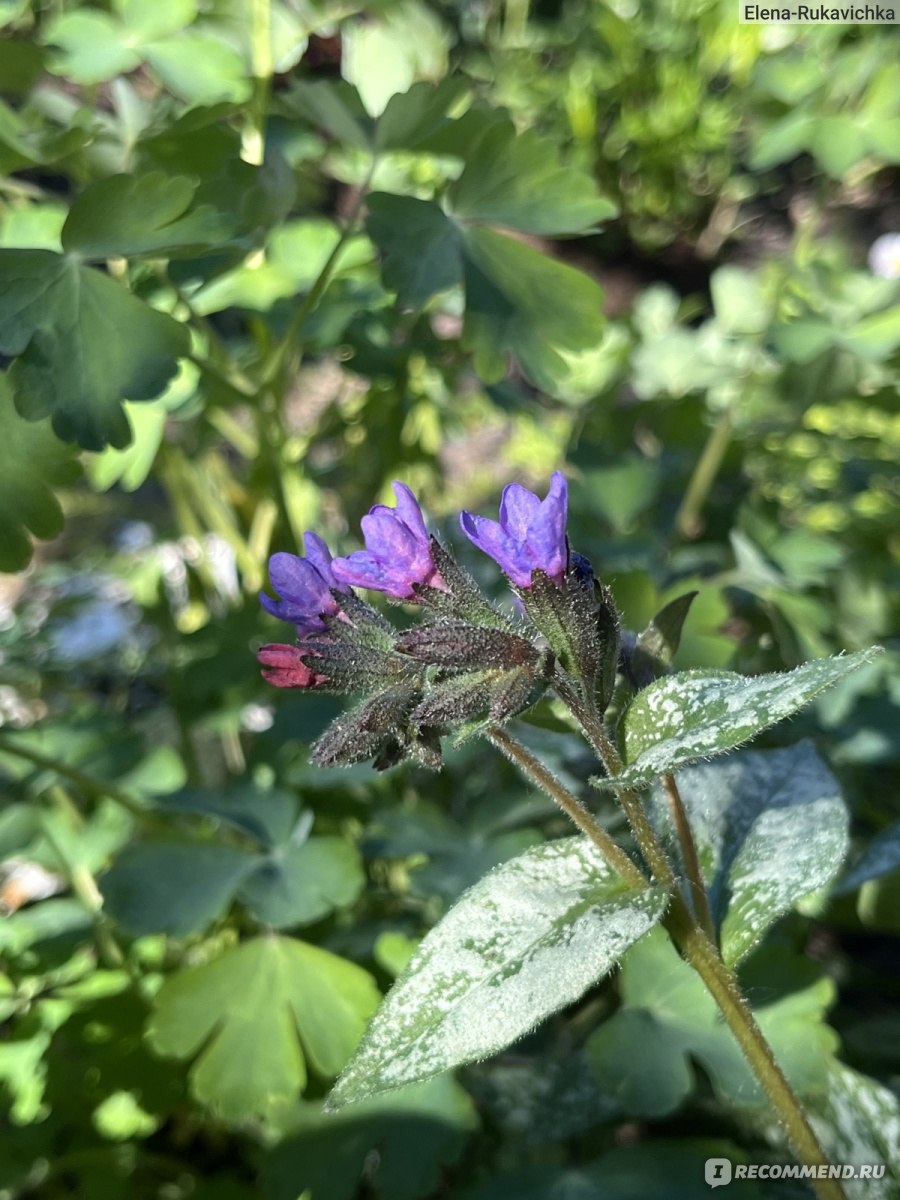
84, 885
93, 787
722, 985
280, 355
691, 939
689, 857
687, 519
534, 769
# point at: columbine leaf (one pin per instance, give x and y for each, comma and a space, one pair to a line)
412, 118
526, 940
296, 885
697, 714
256, 1016
135, 215
84, 344
32, 462
524, 303
268, 815
420, 246
668, 1012
173, 887
399, 1142
516, 180
770, 827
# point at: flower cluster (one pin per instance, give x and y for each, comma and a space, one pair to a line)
467, 664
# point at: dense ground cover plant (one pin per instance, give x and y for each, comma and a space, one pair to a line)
256, 263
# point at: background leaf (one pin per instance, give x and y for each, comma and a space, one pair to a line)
517, 181
84, 344
666, 1007
256, 1015
32, 462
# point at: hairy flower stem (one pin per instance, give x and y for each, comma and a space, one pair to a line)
691, 939
535, 770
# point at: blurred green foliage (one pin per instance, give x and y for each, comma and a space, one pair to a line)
256, 261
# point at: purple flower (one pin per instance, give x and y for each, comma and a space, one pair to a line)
531, 534
397, 553
304, 585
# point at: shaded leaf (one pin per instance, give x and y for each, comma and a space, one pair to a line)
175, 887
256, 1016
84, 344
526, 940
697, 714
135, 215
880, 857
658, 644
296, 885
399, 1142
32, 462
265, 814
666, 1005
419, 244
517, 181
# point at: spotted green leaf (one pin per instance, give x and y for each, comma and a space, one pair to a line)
526, 940
697, 714
770, 827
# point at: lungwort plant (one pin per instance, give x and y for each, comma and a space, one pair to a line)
720, 851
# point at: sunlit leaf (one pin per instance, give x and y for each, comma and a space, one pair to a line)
770, 827
255, 1017
697, 714
526, 940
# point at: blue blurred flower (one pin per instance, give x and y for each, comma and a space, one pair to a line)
531, 534
398, 551
304, 586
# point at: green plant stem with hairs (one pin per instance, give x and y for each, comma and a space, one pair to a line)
686, 929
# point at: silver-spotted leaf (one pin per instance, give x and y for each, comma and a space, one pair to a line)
697, 714
770, 827
530, 937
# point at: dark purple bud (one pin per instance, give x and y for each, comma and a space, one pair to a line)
455, 644
304, 586
531, 533
398, 551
